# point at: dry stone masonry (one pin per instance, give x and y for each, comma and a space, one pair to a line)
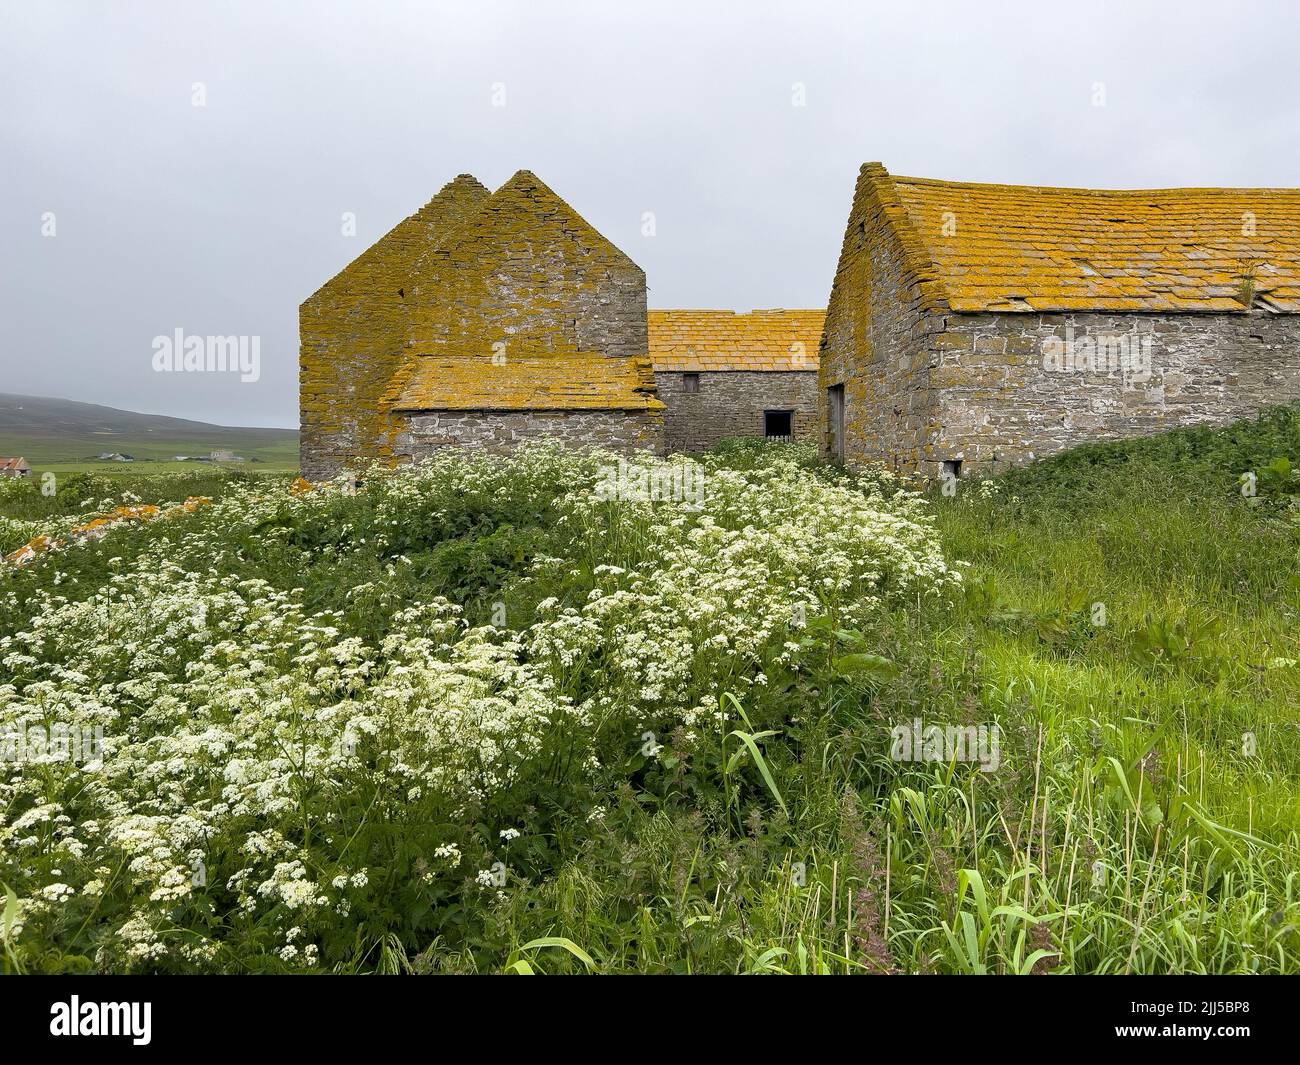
486, 319
986, 325
473, 290
724, 374
969, 327
500, 431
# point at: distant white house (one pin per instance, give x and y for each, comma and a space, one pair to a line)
114, 456
16, 467
226, 456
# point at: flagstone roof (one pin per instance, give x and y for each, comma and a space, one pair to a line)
975, 247
766, 340
553, 381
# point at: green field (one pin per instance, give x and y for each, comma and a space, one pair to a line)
282, 459
63, 436
480, 717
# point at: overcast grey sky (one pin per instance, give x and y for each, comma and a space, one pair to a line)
221, 219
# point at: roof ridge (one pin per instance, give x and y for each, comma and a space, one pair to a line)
444, 238
1207, 190
443, 199
522, 179
725, 310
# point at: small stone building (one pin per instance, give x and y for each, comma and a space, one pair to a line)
15, 467
582, 399
484, 319
975, 326
726, 374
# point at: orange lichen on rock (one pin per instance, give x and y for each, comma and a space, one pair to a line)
98, 526
975, 247
355, 329
143, 512
513, 276
35, 546
560, 381
700, 341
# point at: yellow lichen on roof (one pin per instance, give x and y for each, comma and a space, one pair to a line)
702, 341
554, 381
1029, 248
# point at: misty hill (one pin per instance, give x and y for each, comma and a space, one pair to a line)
45, 430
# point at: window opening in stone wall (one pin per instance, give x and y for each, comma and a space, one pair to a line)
778, 424
690, 382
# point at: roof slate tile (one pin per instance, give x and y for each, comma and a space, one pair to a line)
1194, 249
554, 381
776, 341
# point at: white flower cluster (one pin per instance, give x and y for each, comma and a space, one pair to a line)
714, 588
248, 740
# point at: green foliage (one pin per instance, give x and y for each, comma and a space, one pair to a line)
41, 501
1127, 621
1201, 456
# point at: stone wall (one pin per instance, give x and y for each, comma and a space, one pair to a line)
875, 342
924, 385
732, 403
1013, 387
527, 271
355, 330
626, 432
515, 272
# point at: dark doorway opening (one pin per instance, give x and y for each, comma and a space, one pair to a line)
835, 431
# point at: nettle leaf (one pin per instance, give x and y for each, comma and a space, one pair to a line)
865, 664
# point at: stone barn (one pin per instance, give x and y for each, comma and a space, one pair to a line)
726, 374
976, 326
483, 319
583, 400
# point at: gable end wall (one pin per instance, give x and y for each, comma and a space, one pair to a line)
354, 332
518, 268
877, 339
529, 272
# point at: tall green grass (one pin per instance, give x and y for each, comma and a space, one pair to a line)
1145, 819
1129, 622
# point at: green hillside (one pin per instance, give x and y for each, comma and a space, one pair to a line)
64, 435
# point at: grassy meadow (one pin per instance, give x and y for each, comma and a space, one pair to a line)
150, 460
490, 716
66, 437
278, 460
